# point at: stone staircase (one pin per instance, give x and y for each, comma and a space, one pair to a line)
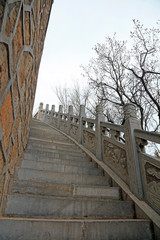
58, 193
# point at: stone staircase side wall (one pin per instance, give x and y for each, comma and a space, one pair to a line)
23, 25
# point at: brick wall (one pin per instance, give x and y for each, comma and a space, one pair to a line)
23, 25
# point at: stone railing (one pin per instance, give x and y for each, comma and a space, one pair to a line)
120, 147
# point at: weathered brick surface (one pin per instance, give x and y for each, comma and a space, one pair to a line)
27, 28
25, 66
1, 185
17, 42
15, 94
4, 77
6, 118
16, 124
13, 9
1, 160
23, 25
13, 157
2, 6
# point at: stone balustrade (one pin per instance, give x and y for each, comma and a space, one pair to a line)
120, 147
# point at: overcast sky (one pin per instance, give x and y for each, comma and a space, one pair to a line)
75, 27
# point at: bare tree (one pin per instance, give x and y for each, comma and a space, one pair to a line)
74, 96
79, 96
63, 97
144, 63
119, 76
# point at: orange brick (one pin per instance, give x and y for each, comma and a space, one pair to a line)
1, 160
14, 154
27, 28
32, 29
1, 14
1, 185
28, 2
6, 118
26, 64
17, 44
15, 94
15, 129
4, 77
13, 9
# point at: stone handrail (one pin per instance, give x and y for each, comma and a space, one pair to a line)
150, 136
120, 147
112, 126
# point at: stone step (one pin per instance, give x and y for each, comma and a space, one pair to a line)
72, 229
43, 127
52, 152
53, 146
61, 168
66, 178
54, 189
37, 155
48, 137
82, 162
48, 134
31, 205
43, 141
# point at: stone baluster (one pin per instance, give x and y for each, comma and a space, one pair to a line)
131, 123
52, 110
115, 134
40, 112
80, 128
70, 112
59, 116
71, 119
99, 118
90, 125
52, 113
45, 113
104, 131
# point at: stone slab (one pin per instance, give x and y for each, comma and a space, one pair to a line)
52, 145
42, 229
51, 189
61, 168
23, 205
82, 162
46, 176
52, 152
37, 154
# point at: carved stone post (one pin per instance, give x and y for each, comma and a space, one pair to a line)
59, 116
53, 109
40, 112
70, 112
81, 115
99, 118
45, 113
51, 116
131, 123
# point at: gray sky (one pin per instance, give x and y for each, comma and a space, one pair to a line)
75, 27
